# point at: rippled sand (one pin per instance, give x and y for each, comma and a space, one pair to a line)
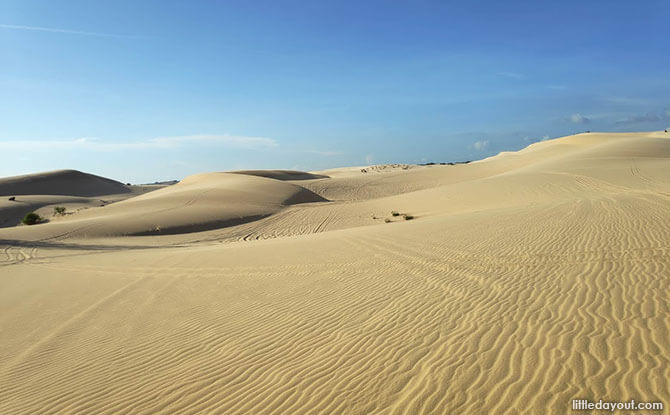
524, 281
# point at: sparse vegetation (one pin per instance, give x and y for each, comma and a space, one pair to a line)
387, 220
12, 198
395, 213
59, 210
451, 163
31, 218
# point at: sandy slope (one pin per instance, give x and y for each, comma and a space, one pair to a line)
72, 189
198, 203
282, 174
527, 280
61, 182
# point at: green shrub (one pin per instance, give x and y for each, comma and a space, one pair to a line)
59, 210
395, 213
31, 218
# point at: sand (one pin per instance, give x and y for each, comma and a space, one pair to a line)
524, 281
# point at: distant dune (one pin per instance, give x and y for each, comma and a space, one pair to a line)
71, 189
519, 283
198, 203
282, 174
60, 182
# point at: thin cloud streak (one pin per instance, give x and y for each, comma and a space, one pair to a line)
324, 153
480, 145
158, 143
639, 119
627, 101
513, 75
66, 31
578, 118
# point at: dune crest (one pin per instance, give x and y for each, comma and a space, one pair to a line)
198, 203
282, 174
61, 182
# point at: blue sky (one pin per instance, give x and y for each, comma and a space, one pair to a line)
156, 90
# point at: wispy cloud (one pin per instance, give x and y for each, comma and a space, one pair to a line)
578, 118
513, 75
65, 31
480, 145
640, 119
618, 100
97, 144
253, 143
324, 153
535, 140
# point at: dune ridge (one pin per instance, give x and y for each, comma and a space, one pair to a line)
282, 174
526, 280
61, 182
198, 203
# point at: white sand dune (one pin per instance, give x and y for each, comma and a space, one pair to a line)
525, 280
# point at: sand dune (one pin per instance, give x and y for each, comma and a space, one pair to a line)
12, 211
198, 203
282, 174
61, 182
71, 189
526, 280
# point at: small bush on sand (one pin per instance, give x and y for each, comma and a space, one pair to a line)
395, 213
31, 218
59, 210
408, 217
